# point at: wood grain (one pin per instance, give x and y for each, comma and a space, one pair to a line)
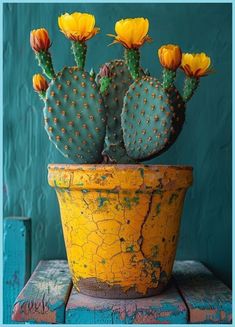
195, 295
44, 297
167, 308
207, 298
16, 270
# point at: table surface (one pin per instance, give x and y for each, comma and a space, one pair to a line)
194, 295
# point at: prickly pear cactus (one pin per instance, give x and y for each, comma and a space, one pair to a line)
152, 118
74, 115
124, 115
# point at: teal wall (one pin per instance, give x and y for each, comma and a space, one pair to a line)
205, 142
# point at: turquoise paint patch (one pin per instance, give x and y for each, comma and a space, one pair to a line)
101, 201
128, 202
158, 191
83, 315
158, 208
130, 248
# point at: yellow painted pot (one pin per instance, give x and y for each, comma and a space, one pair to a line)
120, 225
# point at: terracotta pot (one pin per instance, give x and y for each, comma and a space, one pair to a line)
120, 225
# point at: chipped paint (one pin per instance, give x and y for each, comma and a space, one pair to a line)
208, 299
120, 244
167, 308
16, 254
44, 297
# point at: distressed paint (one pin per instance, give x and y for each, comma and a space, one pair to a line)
207, 298
16, 254
44, 297
167, 308
205, 142
120, 242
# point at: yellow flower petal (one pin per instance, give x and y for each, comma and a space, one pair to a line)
196, 64
78, 26
132, 32
170, 56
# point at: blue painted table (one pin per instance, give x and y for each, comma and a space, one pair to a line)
194, 295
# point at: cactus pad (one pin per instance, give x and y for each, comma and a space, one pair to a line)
113, 99
151, 118
74, 115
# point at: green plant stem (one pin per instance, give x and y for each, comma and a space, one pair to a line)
45, 62
42, 95
132, 59
79, 50
190, 85
168, 77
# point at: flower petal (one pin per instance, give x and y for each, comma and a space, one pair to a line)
78, 26
132, 32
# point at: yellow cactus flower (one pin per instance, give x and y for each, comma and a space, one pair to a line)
78, 26
39, 40
196, 64
39, 83
170, 56
132, 33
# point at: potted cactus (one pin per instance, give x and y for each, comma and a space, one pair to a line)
120, 217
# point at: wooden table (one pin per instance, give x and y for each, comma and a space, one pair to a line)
194, 295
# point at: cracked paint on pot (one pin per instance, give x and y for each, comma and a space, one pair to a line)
120, 224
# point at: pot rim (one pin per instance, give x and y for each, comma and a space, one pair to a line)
117, 166
139, 176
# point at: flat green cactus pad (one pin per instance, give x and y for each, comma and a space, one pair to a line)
151, 118
75, 117
120, 81
113, 99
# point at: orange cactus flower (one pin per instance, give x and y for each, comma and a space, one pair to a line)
39, 40
132, 33
39, 83
78, 26
170, 56
196, 64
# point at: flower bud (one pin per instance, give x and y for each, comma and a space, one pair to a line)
39, 83
39, 40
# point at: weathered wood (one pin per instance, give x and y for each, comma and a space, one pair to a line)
201, 298
44, 297
165, 308
16, 270
207, 298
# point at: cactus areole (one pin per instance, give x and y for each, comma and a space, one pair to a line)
113, 208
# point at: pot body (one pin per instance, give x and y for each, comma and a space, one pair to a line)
120, 225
